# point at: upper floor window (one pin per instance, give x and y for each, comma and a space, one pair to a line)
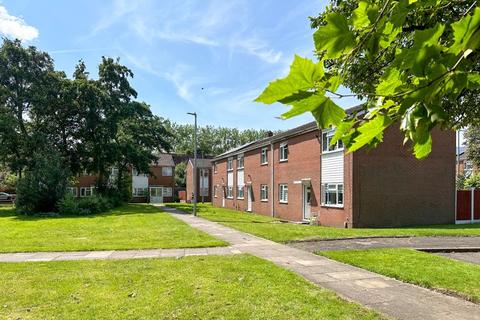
327, 137
240, 161
264, 156
167, 171
230, 164
283, 152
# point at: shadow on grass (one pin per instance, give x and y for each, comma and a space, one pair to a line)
127, 209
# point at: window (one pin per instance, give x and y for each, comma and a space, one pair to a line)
140, 192
230, 192
215, 191
283, 193
332, 194
240, 162
264, 156
167, 192
283, 152
327, 137
215, 167
167, 171
72, 190
86, 191
136, 173
230, 164
240, 192
468, 168
264, 192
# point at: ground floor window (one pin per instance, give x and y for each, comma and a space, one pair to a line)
230, 192
140, 192
86, 191
264, 192
332, 194
167, 192
72, 190
240, 192
283, 193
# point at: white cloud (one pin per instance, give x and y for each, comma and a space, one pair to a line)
257, 48
15, 27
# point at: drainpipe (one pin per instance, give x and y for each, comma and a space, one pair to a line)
272, 179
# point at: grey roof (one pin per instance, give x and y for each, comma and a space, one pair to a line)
165, 160
311, 126
202, 163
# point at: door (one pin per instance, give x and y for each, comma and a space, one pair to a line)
249, 198
223, 197
156, 195
307, 198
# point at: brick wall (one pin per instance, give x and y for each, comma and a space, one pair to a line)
156, 179
392, 188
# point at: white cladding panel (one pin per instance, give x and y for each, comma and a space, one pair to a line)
230, 179
332, 167
140, 181
240, 178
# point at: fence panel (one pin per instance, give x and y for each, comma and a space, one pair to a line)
464, 205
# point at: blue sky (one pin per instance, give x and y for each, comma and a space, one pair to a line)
231, 49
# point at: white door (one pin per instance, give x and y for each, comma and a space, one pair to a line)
307, 198
156, 194
223, 197
249, 198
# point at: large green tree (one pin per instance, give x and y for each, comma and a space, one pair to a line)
415, 63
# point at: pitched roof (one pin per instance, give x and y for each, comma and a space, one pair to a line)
201, 163
308, 127
165, 160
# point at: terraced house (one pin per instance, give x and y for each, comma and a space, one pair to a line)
154, 187
298, 176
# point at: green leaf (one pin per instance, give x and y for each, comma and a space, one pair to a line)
370, 130
328, 113
389, 33
335, 37
390, 81
364, 15
303, 105
423, 142
428, 37
465, 33
473, 80
303, 74
342, 130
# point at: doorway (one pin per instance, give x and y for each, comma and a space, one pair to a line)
307, 202
156, 194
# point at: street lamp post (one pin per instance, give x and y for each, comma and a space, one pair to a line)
195, 173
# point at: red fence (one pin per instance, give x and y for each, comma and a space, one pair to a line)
468, 205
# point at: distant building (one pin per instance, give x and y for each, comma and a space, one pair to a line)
204, 180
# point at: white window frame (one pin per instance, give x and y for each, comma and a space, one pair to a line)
327, 136
264, 192
86, 192
241, 192
264, 156
283, 193
229, 192
215, 192
73, 191
167, 192
136, 194
230, 164
283, 152
240, 162
338, 189
215, 164
167, 174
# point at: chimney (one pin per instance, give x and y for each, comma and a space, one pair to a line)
269, 134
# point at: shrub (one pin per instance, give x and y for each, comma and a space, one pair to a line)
43, 185
473, 181
70, 205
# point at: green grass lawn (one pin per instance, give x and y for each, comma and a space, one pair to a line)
213, 287
424, 269
273, 229
128, 227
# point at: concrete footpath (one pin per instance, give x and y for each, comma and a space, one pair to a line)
388, 296
115, 254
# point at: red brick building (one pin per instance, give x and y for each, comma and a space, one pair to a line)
298, 176
155, 187
204, 180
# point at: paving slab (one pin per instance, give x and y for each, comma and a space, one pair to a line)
471, 257
388, 296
